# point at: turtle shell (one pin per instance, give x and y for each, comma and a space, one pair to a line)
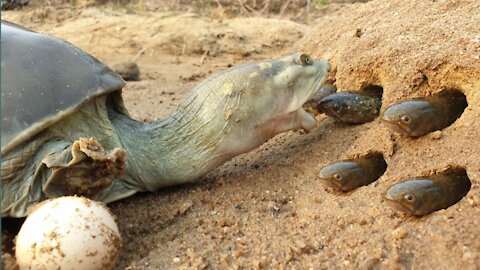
44, 79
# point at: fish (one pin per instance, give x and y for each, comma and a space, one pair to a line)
350, 174
419, 116
423, 195
351, 107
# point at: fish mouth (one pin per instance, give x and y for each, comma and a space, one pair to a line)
329, 111
399, 206
397, 128
331, 184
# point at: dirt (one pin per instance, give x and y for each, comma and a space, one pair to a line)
266, 209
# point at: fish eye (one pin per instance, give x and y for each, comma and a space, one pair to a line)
337, 177
306, 60
406, 119
409, 197
336, 106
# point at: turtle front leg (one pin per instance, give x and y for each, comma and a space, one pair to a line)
84, 168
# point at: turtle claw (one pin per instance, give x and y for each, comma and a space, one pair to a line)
84, 168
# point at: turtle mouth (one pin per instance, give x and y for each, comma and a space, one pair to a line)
321, 77
319, 81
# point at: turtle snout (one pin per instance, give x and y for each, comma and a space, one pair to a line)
324, 66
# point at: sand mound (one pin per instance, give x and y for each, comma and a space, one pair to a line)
109, 33
410, 48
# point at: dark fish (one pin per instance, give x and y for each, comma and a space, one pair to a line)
353, 173
419, 116
423, 195
352, 107
311, 105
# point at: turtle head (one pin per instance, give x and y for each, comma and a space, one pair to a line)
293, 79
277, 89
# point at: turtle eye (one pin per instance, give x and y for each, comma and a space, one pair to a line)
337, 177
306, 60
409, 197
406, 119
336, 106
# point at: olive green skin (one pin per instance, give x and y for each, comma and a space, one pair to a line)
423, 195
350, 174
419, 116
351, 107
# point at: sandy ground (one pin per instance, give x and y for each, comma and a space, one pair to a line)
266, 209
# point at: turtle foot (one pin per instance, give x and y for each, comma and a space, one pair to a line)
84, 168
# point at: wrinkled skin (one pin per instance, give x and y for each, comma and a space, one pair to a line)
350, 174
419, 116
423, 195
351, 107
230, 113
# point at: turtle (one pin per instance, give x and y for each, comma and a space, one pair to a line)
66, 131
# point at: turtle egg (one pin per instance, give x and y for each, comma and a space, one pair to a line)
68, 233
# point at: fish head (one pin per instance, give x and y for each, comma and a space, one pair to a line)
337, 105
341, 175
415, 197
411, 118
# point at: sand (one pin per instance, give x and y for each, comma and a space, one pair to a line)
266, 209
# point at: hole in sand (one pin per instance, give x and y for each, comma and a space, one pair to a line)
457, 102
373, 89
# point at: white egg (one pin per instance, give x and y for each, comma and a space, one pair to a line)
68, 233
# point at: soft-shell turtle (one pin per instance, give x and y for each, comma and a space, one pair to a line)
65, 129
